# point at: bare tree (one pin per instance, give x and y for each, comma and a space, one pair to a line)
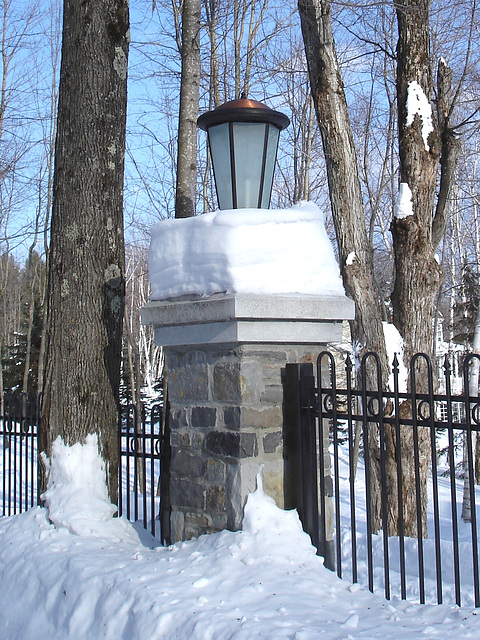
427, 143
185, 198
86, 267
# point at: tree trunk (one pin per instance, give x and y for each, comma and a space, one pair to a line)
185, 198
422, 142
85, 295
354, 249
424, 139
417, 273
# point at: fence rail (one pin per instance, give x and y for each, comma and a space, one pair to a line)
140, 448
352, 516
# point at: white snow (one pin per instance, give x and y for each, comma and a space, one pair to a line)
403, 204
418, 104
395, 346
350, 258
254, 251
76, 495
68, 582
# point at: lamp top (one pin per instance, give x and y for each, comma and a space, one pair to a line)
243, 110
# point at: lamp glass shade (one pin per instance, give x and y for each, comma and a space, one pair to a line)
243, 156
248, 145
219, 140
270, 158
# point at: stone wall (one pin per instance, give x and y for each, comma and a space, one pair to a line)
226, 421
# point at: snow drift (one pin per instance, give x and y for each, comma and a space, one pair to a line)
68, 580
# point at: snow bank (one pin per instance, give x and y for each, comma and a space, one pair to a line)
280, 530
253, 251
264, 582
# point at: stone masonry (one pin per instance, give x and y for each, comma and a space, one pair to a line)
226, 421
226, 357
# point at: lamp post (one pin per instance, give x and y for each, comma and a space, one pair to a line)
243, 139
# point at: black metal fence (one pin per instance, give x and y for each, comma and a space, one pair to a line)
140, 436
140, 451
355, 511
18, 442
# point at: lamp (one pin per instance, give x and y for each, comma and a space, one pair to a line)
243, 139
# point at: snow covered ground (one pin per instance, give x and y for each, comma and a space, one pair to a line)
70, 571
447, 550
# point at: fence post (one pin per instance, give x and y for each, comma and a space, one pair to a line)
301, 456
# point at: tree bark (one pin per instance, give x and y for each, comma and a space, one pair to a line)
85, 295
185, 198
418, 275
355, 251
415, 237
343, 180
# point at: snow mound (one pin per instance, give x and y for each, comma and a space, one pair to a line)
255, 251
262, 516
262, 583
77, 496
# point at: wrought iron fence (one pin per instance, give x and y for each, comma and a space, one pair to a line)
18, 442
140, 450
356, 516
139, 459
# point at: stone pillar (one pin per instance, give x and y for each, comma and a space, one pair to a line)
226, 356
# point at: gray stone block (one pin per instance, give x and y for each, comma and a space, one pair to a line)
215, 471
272, 394
216, 498
187, 494
188, 386
232, 444
187, 465
227, 383
203, 417
267, 417
219, 521
178, 418
177, 524
232, 417
272, 441
180, 438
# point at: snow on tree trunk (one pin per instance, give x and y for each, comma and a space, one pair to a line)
86, 264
